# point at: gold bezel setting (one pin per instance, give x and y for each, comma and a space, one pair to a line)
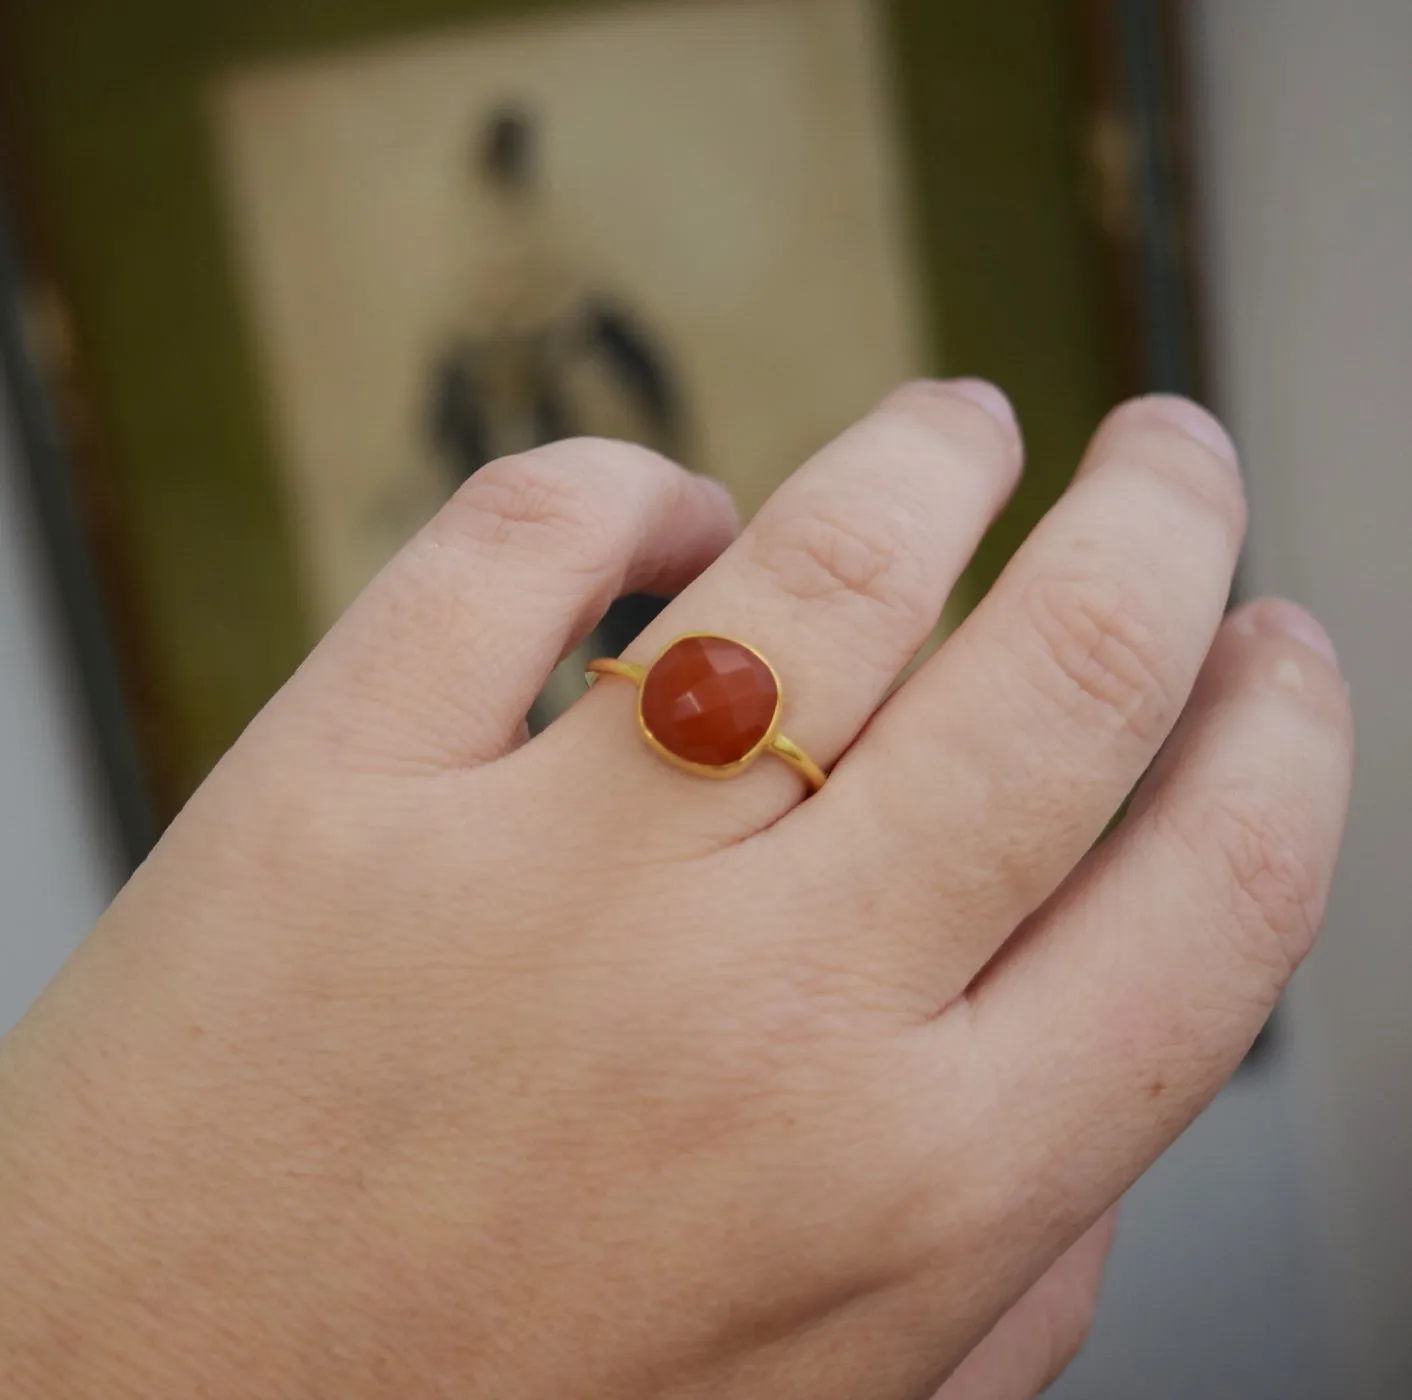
772, 741
712, 770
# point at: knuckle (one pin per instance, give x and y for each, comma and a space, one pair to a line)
1263, 877
525, 497
832, 553
553, 501
1100, 661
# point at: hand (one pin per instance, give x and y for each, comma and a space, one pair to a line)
419, 1060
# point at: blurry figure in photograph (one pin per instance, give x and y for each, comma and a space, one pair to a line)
538, 354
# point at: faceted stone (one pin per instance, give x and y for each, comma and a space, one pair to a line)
709, 700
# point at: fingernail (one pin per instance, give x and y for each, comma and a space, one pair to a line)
985, 395
1275, 617
1193, 420
1299, 625
718, 487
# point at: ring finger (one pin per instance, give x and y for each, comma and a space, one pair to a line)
838, 581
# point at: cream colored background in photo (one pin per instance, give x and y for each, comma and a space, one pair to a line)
727, 168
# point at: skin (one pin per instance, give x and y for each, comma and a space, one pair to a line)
419, 1060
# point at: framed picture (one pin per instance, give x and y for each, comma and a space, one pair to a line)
465, 244
289, 271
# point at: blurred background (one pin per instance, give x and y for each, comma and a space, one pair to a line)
275, 277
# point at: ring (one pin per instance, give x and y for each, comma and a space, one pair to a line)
711, 705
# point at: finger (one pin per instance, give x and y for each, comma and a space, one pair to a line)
838, 581
441, 657
1113, 1018
1010, 750
1037, 1339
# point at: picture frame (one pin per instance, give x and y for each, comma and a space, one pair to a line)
138, 343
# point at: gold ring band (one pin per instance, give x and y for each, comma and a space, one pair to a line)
711, 705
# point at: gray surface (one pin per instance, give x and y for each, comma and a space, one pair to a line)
1219, 1287
1305, 137
1216, 1286
57, 865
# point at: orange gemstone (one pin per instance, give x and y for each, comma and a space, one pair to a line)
709, 700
